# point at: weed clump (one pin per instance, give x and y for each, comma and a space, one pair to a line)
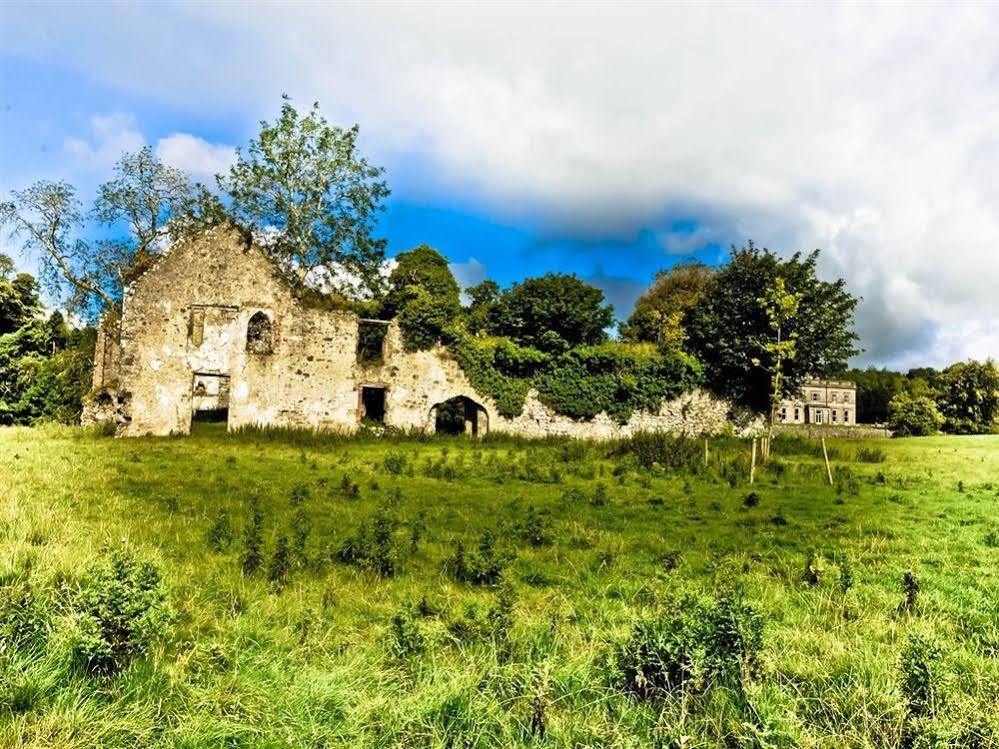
871, 455
483, 567
375, 546
221, 534
406, 639
910, 589
121, 611
253, 541
751, 500
690, 646
395, 463
279, 569
536, 528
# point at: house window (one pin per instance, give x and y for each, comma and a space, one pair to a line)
846, 417
846, 397
834, 416
783, 414
835, 398
815, 397
797, 414
818, 417
259, 334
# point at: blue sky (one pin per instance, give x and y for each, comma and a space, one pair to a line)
606, 141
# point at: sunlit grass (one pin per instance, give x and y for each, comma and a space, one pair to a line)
246, 664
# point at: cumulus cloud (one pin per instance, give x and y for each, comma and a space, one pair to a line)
870, 132
110, 135
196, 156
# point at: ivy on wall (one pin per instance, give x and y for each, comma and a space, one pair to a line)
614, 377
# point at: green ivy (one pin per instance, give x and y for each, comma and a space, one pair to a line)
614, 377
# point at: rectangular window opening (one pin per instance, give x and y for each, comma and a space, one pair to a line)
371, 341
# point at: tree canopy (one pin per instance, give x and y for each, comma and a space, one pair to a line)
728, 329
422, 292
303, 184
552, 313
660, 313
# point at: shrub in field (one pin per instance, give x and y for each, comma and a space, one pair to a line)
121, 611
253, 541
301, 529
395, 463
691, 645
536, 528
349, 488
279, 568
751, 500
845, 581
485, 566
913, 416
406, 639
375, 546
299, 494
221, 535
922, 680
910, 588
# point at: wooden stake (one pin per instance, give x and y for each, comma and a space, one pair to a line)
825, 455
752, 465
705, 452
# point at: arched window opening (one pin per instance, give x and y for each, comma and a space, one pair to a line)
259, 334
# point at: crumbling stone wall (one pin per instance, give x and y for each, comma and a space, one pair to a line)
184, 344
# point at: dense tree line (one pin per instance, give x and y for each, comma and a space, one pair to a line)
960, 399
45, 365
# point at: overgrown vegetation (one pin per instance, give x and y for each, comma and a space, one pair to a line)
560, 593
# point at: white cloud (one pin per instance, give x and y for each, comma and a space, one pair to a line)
196, 156
870, 132
110, 136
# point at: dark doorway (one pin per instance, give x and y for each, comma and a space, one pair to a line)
460, 415
373, 404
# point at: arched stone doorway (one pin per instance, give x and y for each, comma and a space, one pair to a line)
459, 415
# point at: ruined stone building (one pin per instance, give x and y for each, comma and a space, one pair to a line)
212, 331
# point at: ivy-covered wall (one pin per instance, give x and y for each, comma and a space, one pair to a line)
615, 378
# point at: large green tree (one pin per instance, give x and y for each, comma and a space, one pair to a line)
304, 186
968, 397
660, 313
729, 330
423, 294
552, 313
19, 300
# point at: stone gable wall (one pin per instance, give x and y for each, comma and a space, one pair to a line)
188, 315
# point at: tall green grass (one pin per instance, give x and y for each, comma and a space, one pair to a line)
407, 591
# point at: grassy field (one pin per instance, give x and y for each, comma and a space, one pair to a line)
451, 593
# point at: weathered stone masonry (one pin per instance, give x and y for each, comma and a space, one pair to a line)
213, 329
